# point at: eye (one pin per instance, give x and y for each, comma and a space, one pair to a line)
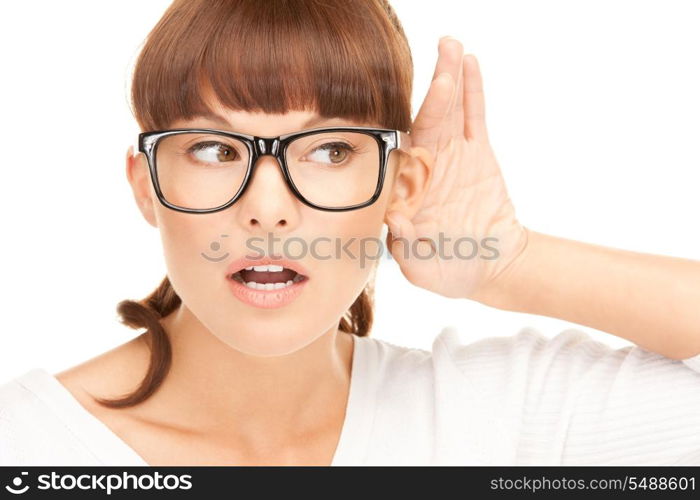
337, 152
213, 152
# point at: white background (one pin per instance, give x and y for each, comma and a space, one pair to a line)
592, 109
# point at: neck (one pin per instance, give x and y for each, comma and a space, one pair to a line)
212, 386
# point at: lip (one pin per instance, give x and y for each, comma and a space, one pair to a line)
266, 299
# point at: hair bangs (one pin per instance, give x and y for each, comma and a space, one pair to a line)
341, 58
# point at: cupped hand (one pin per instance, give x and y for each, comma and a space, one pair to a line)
466, 203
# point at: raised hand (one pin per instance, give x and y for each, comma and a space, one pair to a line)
466, 198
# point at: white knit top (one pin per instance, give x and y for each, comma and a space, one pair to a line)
523, 399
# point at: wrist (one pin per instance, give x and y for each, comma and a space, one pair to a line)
495, 292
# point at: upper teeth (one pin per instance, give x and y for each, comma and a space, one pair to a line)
271, 268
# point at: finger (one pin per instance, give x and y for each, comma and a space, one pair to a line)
436, 105
450, 61
426, 128
405, 245
400, 236
456, 110
449, 57
474, 103
453, 124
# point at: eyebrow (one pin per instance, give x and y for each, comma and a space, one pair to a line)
221, 121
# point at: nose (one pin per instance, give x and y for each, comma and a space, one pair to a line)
268, 205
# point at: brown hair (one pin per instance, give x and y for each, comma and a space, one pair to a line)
344, 58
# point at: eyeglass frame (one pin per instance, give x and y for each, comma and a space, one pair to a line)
387, 139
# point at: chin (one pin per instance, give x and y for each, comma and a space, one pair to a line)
258, 339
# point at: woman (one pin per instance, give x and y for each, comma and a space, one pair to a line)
257, 351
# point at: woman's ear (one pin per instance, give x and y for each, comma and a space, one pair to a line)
411, 182
139, 178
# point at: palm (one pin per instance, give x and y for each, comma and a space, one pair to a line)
466, 197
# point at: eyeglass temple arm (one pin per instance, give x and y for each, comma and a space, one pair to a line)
404, 141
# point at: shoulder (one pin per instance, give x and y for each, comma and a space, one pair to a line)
525, 344
42, 424
24, 418
571, 351
452, 355
18, 402
398, 376
393, 356
531, 349
571, 367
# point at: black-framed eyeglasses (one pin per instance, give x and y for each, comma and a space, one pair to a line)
200, 170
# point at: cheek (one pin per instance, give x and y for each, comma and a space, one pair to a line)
195, 247
361, 237
341, 256
346, 246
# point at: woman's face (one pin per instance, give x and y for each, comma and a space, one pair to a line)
193, 246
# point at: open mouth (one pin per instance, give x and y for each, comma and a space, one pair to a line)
268, 277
